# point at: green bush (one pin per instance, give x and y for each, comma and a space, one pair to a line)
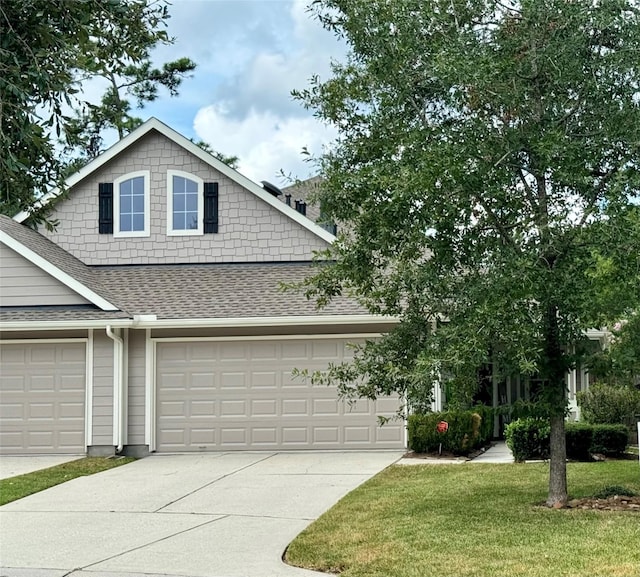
528, 438
579, 436
467, 431
612, 491
609, 439
606, 404
486, 423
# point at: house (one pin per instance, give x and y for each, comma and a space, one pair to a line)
152, 318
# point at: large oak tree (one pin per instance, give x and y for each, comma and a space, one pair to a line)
486, 174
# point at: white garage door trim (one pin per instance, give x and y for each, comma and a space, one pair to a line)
88, 359
151, 366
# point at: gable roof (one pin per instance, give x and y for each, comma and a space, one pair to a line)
154, 124
53, 260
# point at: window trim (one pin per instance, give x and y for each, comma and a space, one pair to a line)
200, 182
117, 233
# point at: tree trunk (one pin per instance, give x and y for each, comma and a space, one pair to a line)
557, 398
558, 464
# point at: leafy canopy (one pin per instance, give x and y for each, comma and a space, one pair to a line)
485, 173
47, 48
486, 169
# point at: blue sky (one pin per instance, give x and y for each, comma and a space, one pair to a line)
250, 55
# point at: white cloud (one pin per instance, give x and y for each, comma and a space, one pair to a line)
265, 142
250, 111
250, 54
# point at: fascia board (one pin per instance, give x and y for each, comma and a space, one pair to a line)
56, 273
147, 323
316, 320
234, 175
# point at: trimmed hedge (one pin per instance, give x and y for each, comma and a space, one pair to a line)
609, 439
529, 439
579, 437
467, 430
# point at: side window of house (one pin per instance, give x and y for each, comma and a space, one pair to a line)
184, 203
192, 204
131, 204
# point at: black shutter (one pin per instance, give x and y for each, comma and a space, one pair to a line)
210, 207
105, 208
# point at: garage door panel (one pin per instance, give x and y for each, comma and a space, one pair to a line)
264, 379
41, 411
233, 408
42, 397
235, 380
295, 407
295, 351
11, 383
12, 411
72, 411
233, 437
258, 403
203, 408
44, 354
230, 352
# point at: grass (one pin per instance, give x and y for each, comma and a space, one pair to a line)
15, 488
474, 521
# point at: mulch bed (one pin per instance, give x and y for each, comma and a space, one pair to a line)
446, 455
615, 503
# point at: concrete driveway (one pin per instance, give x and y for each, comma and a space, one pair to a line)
204, 515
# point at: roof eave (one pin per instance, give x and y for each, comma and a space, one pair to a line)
150, 322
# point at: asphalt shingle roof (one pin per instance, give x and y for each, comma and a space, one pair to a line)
237, 290
218, 291
58, 313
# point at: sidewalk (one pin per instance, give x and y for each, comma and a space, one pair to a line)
498, 453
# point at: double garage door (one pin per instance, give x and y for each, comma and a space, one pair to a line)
42, 398
242, 394
210, 395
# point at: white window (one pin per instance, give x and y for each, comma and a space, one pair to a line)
184, 203
131, 204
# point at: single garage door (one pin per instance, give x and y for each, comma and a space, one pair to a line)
42, 398
215, 395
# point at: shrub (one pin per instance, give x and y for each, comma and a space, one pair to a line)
579, 437
528, 438
486, 421
612, 491
609, 439
606, 404
466, 431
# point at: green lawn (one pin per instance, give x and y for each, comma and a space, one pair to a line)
474, 521
18, 487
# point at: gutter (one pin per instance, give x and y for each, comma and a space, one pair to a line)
151, 322
118, 389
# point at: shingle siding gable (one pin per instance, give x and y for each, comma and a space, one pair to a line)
249, 230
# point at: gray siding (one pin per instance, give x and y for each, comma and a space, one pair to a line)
102, 389
136, 396
250, 230
24, 284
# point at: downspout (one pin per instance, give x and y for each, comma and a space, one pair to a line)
118, 387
